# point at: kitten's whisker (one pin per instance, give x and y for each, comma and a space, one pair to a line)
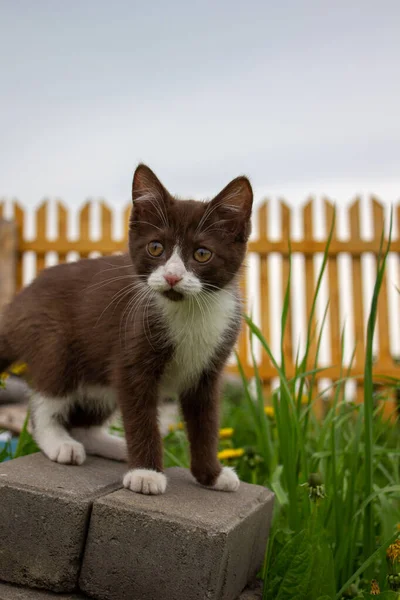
222, 290
213, 226
146, 312
113, 267
197, 298
122, 293
127, 310
134, 312
146, 223
149, 196
184, 327
207, 302
211, 208
135, 305
99, 284
119, 296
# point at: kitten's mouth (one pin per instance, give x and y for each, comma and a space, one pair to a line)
173, 295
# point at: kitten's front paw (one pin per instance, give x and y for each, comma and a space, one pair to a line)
227, 480
68, 453
145, 481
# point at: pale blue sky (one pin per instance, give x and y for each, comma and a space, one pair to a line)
302, 96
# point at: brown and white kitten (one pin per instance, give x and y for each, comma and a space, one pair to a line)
126, 330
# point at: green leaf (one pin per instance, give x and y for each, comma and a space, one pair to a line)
303, 569
323, 575
26, 444
291, 570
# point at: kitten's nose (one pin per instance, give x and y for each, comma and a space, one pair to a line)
172, 279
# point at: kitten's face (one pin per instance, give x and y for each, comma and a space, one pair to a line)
182, 248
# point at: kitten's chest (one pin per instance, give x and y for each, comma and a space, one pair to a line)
197, 332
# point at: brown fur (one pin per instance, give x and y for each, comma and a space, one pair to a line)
78, 325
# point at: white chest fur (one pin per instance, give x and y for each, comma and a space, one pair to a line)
197, 329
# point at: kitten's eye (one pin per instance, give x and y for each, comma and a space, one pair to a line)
202, 255
155, 249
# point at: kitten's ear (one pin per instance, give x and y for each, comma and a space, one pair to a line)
146, 184
233, 207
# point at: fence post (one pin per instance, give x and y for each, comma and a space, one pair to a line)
8, 255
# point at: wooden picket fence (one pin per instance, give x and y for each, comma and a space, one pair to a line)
264, 247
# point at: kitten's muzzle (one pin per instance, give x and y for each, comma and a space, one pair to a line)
172, 280
173, 295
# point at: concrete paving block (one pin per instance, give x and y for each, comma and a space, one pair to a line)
44, 515
253, 592
188, 544
12, 592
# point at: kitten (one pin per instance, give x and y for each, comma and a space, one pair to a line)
125, 330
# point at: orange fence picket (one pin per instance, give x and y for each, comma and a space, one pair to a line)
263, 246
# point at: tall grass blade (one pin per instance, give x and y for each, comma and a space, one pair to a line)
369, 534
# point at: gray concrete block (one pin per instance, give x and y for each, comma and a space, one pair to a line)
253, 592
189, 544
16, 391
12, 592
44, 515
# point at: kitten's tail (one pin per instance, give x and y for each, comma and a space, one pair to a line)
6, 354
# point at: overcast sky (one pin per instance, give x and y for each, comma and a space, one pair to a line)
301, 96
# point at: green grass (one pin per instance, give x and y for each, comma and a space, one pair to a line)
334, 448
330, 546
329, 540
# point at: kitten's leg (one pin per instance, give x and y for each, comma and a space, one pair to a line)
138, 402
200, 411
98, 441
50, 433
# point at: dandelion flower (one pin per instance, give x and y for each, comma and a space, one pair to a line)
230, 453
16, 369
225, 433
19, 368
175, 427
269, 411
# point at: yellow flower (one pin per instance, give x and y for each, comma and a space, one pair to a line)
18, 368
175, 426
269, 411
230, 453
226, 433
304, 399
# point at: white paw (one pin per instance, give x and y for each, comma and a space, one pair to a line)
227, 480
116, 450
99, 442
68, 453
145, 481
